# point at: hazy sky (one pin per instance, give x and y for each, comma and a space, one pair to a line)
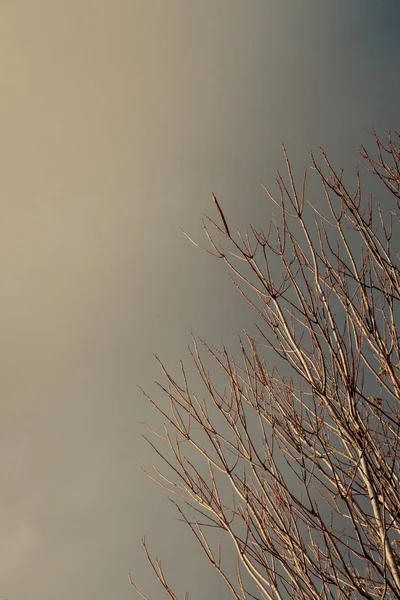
118, 119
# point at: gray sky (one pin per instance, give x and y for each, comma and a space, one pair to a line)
118, 119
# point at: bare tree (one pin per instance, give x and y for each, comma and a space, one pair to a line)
298, 464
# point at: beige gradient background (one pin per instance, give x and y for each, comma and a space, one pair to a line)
118, 119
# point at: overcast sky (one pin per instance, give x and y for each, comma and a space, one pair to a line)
118, 119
